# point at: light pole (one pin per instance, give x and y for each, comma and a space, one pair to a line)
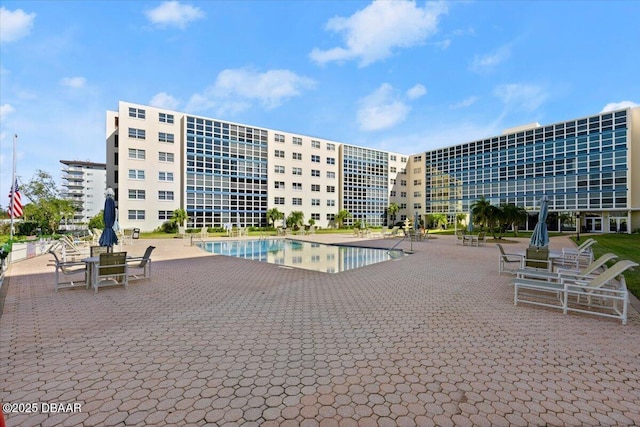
578, 226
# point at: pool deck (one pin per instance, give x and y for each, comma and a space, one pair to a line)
430, 339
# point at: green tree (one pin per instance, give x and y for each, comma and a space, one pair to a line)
392, 210
564, 219
439, 219
45, 207
460, 217
295, 219
485, 215
274, 215
97, 221
341, 216
179, 217
513, 216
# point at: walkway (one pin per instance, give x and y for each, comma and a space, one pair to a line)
431, 339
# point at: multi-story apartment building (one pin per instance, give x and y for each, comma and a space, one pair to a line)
84, 184
229, 173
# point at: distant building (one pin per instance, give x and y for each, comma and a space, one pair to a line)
84, 184
222, 172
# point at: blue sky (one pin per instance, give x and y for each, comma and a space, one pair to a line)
395, 75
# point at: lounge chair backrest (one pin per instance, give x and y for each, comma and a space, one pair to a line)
611, 273
585, 243
589, 269
584, 248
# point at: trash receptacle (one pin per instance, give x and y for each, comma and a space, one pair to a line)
136, 233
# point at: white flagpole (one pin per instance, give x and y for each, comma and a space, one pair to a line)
13, 189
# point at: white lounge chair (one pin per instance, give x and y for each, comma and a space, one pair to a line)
603, 295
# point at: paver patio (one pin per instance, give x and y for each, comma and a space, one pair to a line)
430, 339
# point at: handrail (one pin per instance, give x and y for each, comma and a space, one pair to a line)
399, 241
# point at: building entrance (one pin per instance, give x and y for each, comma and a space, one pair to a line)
593, 224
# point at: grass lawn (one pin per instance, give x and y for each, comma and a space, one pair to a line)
626, 246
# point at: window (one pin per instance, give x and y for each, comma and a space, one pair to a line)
297, 156
297, 201
316, 217
392, 181
278, 138
279, 185
165, 137
136, 154
393, 157
403, 194
331, 147
165, 215
296, 171
137, 133
403, 206
315, 187
297, 141
417, 170
278, 169
403, 159
417, 194
417, 182
417, 158
392, 169
165, 176
297, 186
331, 202
137, 113
331, 160
165, 118
137, 194
331, 188
403, 182
331, 175
315, 202
165, 157
136, 214
279, 154
393, 193
331, 217
315, 144
165, 195
278, 200
136, 174
417, 206
315, 159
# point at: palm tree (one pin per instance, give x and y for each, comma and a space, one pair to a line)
179, 217
459, 218
439, 219
295, 219
274, 215
392, 210
341, 216
564, 218
484, 213
512, 215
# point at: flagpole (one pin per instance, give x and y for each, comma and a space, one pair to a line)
13, 190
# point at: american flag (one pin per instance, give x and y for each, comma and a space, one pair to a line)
15, 202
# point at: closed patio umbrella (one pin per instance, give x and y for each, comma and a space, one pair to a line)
540, 236
108, 237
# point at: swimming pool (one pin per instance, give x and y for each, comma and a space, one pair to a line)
298, 254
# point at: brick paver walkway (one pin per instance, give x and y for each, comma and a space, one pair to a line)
431, 339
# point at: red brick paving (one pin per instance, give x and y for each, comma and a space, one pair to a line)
431, 339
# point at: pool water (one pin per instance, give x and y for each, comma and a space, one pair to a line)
298, 254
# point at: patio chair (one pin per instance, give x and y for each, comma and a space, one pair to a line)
580, 255
460, 238
204, 232
73, 269
111, 270
481, 239
142, 263
584, 273
97, 250
606, 294
538, 258
507, 258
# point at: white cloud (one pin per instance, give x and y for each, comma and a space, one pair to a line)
612, 106
521, 96
164, 100
487, 63
74, 82
381, 110
5, 110
15, 25
467, 102
375, 32
416, 92
174, 14
234, 90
